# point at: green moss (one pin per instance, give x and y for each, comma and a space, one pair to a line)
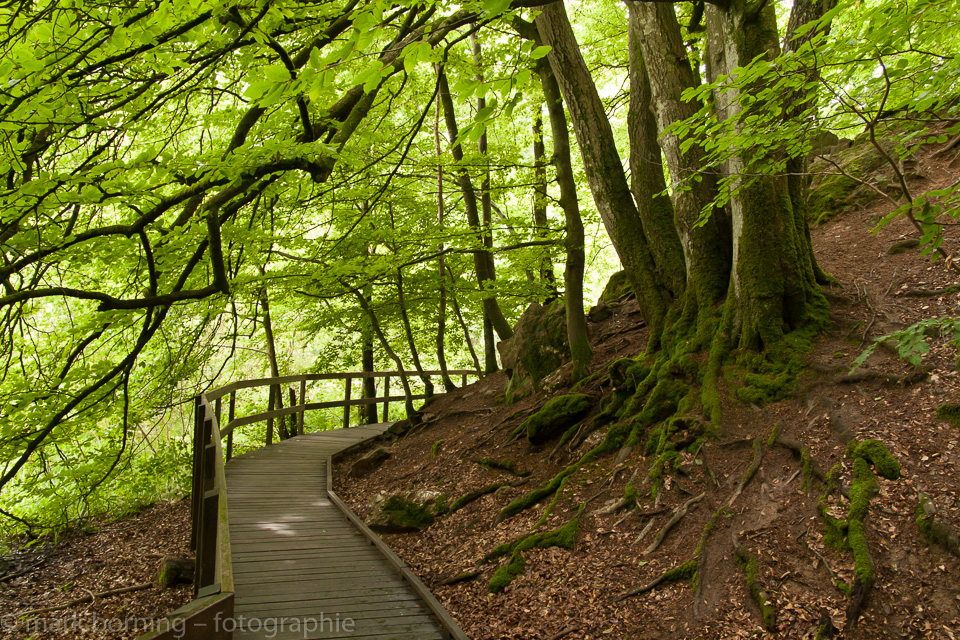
469, 497
502, 465
684, 571
555, 416
505, 574
950, 412
874, 452
435, 449
564, 537
748, 564
774, 434
617, 287
932, 530
407, 514
440, 507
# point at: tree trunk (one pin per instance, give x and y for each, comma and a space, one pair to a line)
580, 350
773, 283
408, 331
605, 174
466, 329
441, 267
368, 412
655, 32
547, 279
385, 344
482, 259
276, 395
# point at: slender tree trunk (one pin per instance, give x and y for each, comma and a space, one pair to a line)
547, 279
368, 412
441, 267
580, 350
481, 257
275, 392
657, 53
603, 167
385, 344
408, 331
486, 212
463, 325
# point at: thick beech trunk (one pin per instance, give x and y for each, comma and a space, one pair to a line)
654, 31
603, 167
773, 278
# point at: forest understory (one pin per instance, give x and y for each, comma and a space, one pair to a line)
627, 571
753, 505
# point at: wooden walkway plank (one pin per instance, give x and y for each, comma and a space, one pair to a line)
302, 570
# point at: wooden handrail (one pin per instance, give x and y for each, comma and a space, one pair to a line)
210, 531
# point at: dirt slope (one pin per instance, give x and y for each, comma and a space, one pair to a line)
570, 593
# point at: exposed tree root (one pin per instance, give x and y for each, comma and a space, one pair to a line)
90, 597
678, 515
501, 465
748, 563
467, 498
564, 537
917, 375
683, 571
811, 468
464, 576
932, 530
930, 293
564, 632
750, 471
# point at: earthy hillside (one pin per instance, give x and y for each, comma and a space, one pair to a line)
744, 494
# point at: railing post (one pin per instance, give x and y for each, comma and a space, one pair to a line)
386, 396
293, 418
270, 420
463, 380
346, 399
303, 401
231, 413
197, 470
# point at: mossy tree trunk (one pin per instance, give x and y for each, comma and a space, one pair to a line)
657, 53
603, 168
580, 350
773, 279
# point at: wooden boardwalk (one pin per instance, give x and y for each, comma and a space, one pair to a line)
301, 568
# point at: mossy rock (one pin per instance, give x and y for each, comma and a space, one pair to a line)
616, 288
834, 193
174, 571
950, 411
538, 347
405, 511
555, 417
369, 463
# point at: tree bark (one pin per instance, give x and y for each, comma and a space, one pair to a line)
580, 350
772, 280
603, 167
368, 412
441, 266
655, 33
547, 279
481, 257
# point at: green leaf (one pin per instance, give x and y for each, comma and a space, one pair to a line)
540, 52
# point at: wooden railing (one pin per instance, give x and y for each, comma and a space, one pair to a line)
210, 532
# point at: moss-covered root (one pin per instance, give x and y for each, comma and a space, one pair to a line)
507, 466
864, 487
678, 514
932, 530
565, 537
747, 562
467, 498
680, 572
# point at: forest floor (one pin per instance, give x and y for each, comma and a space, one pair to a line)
571, 594
108, 556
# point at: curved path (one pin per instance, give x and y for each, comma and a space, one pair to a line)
302, 567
